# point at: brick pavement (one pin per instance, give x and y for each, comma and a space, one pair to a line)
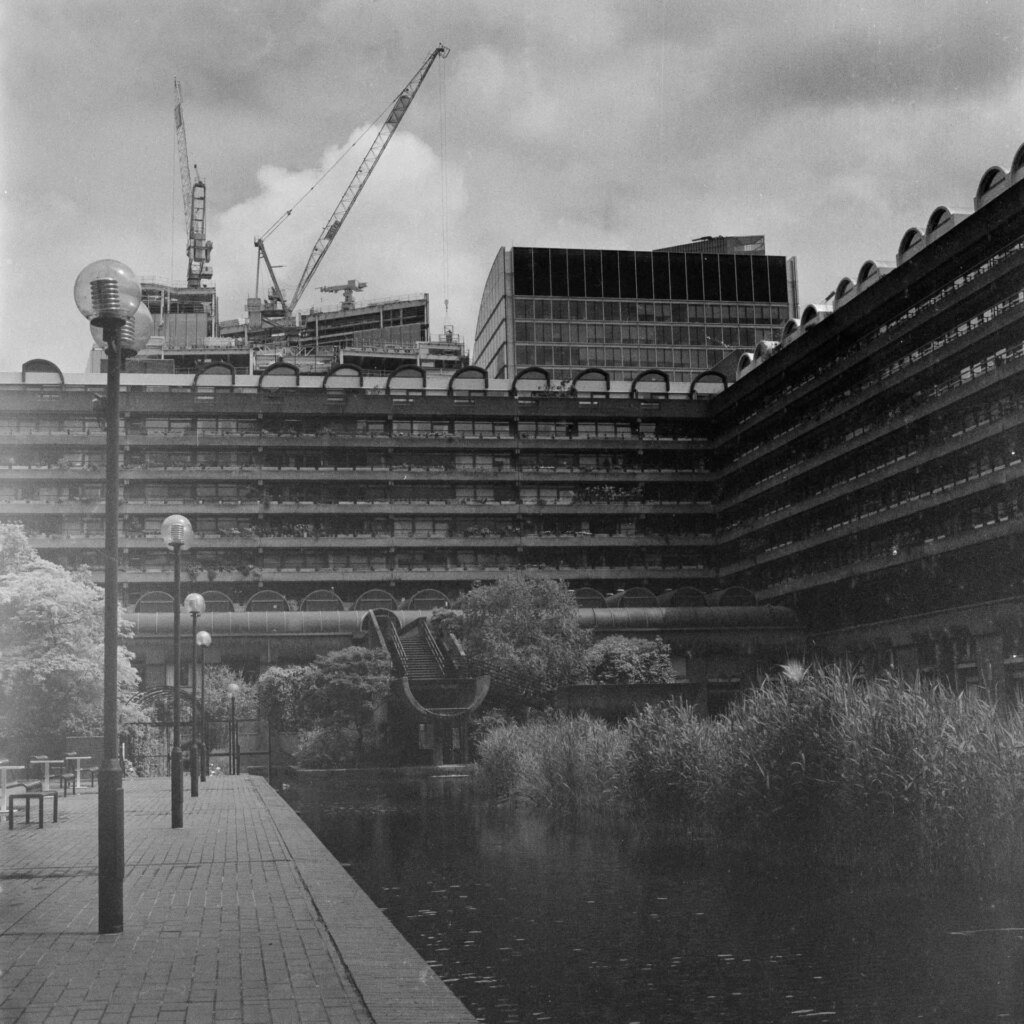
240, 916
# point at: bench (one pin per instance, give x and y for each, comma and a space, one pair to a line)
28, 797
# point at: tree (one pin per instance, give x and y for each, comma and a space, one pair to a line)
345, 687
16, 553
279, 693
630, 661
327, 700
524, 632
216, 680
51, 634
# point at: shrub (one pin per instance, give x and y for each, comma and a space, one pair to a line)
325, 747
673, 762
816, 766
875, 774
567, 764
630, 661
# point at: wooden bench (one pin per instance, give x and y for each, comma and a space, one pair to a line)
30, 795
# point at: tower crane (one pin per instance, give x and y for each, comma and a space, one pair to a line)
193, 191
279, 306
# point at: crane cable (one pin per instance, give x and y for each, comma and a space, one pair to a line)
443, 113
355, 142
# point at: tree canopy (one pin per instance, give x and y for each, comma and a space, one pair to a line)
51, 634
524, 632
630, 661
335, 693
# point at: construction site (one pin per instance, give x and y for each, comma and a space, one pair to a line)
189, 334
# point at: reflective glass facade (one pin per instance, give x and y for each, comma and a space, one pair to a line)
680, 310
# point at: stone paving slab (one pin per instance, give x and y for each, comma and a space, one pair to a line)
241, 916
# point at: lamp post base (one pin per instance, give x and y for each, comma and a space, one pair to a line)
177, 788
111, 849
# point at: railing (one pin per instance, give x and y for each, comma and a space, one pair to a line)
394, 645
439, 656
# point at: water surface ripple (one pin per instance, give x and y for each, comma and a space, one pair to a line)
529, 922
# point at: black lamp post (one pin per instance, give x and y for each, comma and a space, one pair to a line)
232, 733
177, 533
196, 605
203, 640
109, 296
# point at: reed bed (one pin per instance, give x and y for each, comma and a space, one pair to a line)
815, 766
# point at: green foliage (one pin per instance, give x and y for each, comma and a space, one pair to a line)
279, 692
568, 764
322, 747
524, 633
816, 767
347, 685
16, 554
329, 699
216, 680
630, 661
51, 634
673, 762
875, 773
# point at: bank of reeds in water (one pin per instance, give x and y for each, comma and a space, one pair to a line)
816, 766
566, 764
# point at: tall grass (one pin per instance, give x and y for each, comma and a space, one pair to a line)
815, 766
566, 764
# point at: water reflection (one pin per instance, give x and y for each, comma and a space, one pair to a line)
527, 922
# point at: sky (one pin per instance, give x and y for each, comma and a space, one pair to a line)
830, 128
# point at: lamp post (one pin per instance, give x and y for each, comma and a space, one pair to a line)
203, 640
177, 533
195, 605
232, 737
110, 298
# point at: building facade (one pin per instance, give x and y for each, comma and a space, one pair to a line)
866, 474
679, 310
871, 467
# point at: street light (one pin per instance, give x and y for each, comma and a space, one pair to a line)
109, 297
233, 766
177, 533
203, 639
195, 605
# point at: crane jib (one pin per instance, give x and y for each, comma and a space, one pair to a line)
337, 218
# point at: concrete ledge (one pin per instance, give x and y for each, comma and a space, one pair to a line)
394, 981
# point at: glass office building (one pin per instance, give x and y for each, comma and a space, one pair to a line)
680, 309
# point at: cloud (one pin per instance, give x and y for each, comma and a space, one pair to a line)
828, 128
393, 237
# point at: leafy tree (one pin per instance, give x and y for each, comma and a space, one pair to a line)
279, 694
329, 699
51, 634
346, 687
524, 632
630, 661
16, 553
216, 680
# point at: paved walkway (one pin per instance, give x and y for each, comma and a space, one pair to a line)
240, 916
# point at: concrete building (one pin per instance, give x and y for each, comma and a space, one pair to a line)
863, 477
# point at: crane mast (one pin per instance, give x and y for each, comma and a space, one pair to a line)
341, 211
193, 192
